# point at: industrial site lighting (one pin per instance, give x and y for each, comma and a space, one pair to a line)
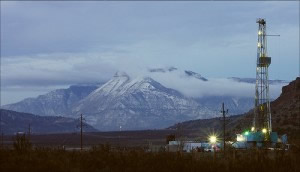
246, 133
212, 139
259, 32
240, 138
252, 129
264, 130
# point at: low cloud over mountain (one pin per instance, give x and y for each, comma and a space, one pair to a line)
155, 99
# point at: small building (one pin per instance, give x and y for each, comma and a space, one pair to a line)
190, 146
257, 139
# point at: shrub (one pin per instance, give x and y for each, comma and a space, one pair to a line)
21, 143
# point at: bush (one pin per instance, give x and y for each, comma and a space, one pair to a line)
22, 144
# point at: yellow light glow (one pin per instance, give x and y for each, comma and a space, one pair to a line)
259, 32
252, 128
240, 138
259, 44
212, 139
264, 130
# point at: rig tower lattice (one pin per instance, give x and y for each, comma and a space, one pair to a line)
262, 110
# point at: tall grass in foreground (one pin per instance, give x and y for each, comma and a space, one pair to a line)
103, 158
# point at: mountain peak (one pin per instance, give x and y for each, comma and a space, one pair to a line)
293, 88
163, 70
121, 74
194, 74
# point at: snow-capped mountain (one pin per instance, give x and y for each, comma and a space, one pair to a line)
154, 101
55, 103
138, 103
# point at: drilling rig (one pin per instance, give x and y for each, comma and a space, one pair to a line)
260, 133
262, 110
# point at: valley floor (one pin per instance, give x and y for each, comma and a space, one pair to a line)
103, 158
140, 138
130, 151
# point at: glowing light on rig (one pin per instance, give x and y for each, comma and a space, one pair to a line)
259, 44
212, 139
252, 129
246, 133
260, 32
264, 130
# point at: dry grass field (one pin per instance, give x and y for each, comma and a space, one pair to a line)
22, 155
104, 158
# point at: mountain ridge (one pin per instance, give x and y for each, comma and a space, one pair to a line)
131, 103
54, 103
13, 122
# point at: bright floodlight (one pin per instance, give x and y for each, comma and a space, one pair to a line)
240, 138
252, 128
264, 130
259, 32
247, 133
212, 139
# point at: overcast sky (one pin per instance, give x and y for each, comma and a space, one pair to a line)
48, 45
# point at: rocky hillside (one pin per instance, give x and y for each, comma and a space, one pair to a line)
285, 110
285, 116
12, 122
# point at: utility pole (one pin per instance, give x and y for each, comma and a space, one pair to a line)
81, 132
1, 137
1, 130
29, 132
224, 126
180, 139
81, 125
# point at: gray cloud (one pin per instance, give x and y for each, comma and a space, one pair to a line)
193, 87
46, 44
56, 69
39, 75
